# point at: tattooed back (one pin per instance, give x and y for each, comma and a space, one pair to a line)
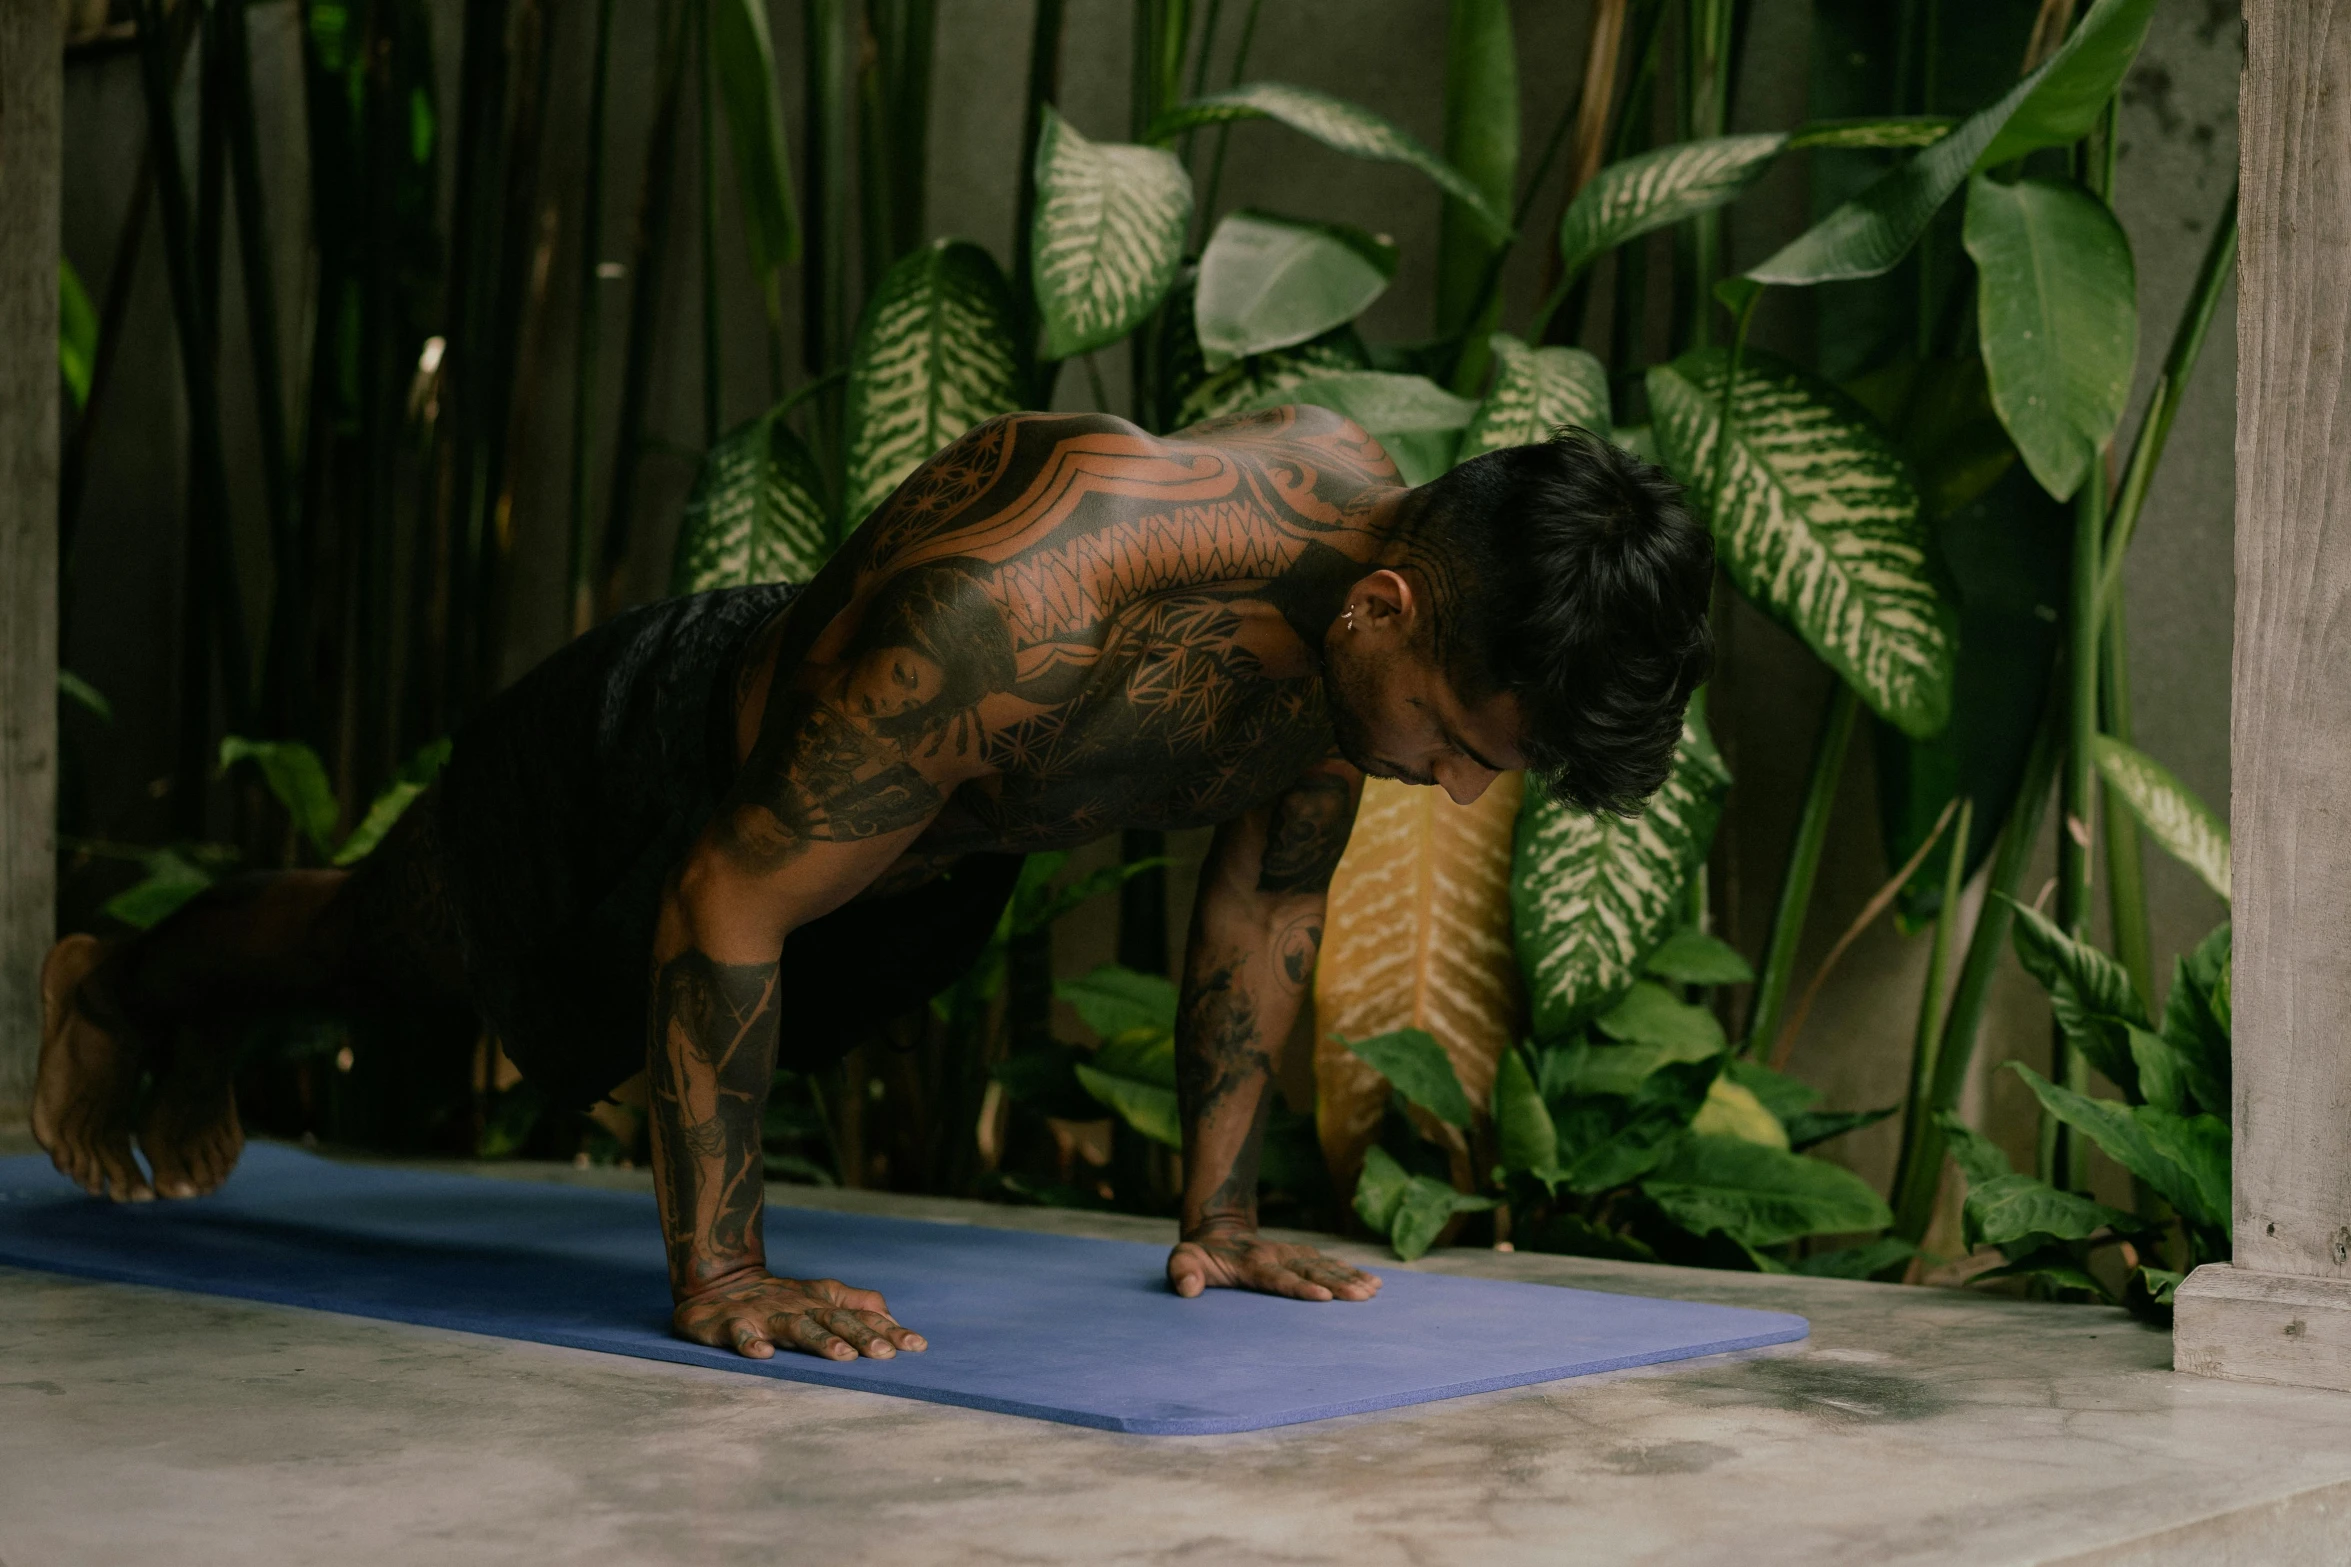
1094, 627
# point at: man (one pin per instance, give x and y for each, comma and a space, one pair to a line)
767, 815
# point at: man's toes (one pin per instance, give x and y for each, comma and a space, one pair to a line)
124, 1182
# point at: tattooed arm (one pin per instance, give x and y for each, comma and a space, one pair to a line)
854, 758
1256, 931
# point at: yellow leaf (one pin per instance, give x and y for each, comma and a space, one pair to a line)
1418, 936
1733, 1111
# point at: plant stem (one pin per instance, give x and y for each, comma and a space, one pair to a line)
824, 332
2179, 363
1706, 90
2126, 873
1205, 213
1812, 830
581, 593
1044, 87
713, 363
1927, 1037
1921, 1174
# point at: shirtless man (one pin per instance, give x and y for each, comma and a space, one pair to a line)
764, 818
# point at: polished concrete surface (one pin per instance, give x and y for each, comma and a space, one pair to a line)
1915, 1426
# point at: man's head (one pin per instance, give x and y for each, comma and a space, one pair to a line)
1546, 608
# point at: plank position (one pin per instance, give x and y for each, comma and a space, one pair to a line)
738, 828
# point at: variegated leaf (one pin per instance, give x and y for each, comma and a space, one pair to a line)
1592, 896
2169, 810
1246, 383
1418, 421
934, 357
756, 513
1337, 124
1916, 130
1535, 391
1629, 199
1417, 936
1107, 237
1818, 524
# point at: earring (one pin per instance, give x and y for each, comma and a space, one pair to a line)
1350, 617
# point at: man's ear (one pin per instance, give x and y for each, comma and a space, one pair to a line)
1383, 595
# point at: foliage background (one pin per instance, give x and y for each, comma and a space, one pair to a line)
2178, 150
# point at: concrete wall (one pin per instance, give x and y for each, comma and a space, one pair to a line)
2177, 157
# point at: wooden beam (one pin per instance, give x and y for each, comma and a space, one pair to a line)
32, 55
2282, 1311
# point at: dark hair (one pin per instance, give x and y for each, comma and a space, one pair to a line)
1569, 574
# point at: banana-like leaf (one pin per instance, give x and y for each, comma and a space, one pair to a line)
756, 512
934, 356
1650, 191
2057, 310
2053, 106
1592, 896
1271, 282
1417, 935
1108, 235
1342, 126
1760, 1196
77, 333
1818, 524
1418, 421
1535, 391
2169, 810
747, 86
1481, 140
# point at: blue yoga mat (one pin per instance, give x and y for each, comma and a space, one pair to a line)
1052, 1326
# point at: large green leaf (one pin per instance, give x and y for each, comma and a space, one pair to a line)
1588, 1066
2055, 105
2090, 994
2184, 825
1525, 1138
747, 86
1417, 1067
1651, 1015
1760, 1196
415, 776
2021, 1210
1418, 421
2196, 1020
1113, 1000
1427, 1207
1108, 235
1818, 524
1271, 282
1592, 896
77, 333
1200, 395
1733, 1110
171, 880
2185, 1158
1134, 1074
1535, 391
1337, 124
1481, 140
934, 357
1912, 130
756, 512
2057, 311
1628, 199
1692, 957
298, 779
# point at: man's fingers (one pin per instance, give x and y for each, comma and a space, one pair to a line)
1341, 1280
840, 1294
805, 1332
1288, 1281
1187, 1270
854, 1329
749, 1341
895, 1332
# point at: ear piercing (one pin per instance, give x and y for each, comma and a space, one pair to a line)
1350, 617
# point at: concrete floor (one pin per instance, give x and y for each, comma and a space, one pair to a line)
1915, 1426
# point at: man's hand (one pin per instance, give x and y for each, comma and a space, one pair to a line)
817, 1316
1225, 1258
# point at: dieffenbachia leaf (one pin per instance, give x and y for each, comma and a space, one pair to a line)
1695, 958
2185, 1158
2183, 824
1108, 235
934, 356
1818, 524
1759, 1195
1918, 130
1418, 421
2196, 1020
2057, 104
1535, 391
756, 512
2058, 315
1628, 199
1524, 1136
1342, 126
1592, 896
2090, 994
1733, 1110
1270, 282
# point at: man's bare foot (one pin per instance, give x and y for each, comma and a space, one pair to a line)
87, 1079
191, 1136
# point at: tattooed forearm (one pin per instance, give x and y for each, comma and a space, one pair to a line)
711, 1057
1295, 948
1224, 1078
1307, 835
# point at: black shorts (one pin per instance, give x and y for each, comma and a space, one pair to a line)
571, 798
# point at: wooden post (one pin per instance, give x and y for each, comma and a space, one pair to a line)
32, 55
2282, 1311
